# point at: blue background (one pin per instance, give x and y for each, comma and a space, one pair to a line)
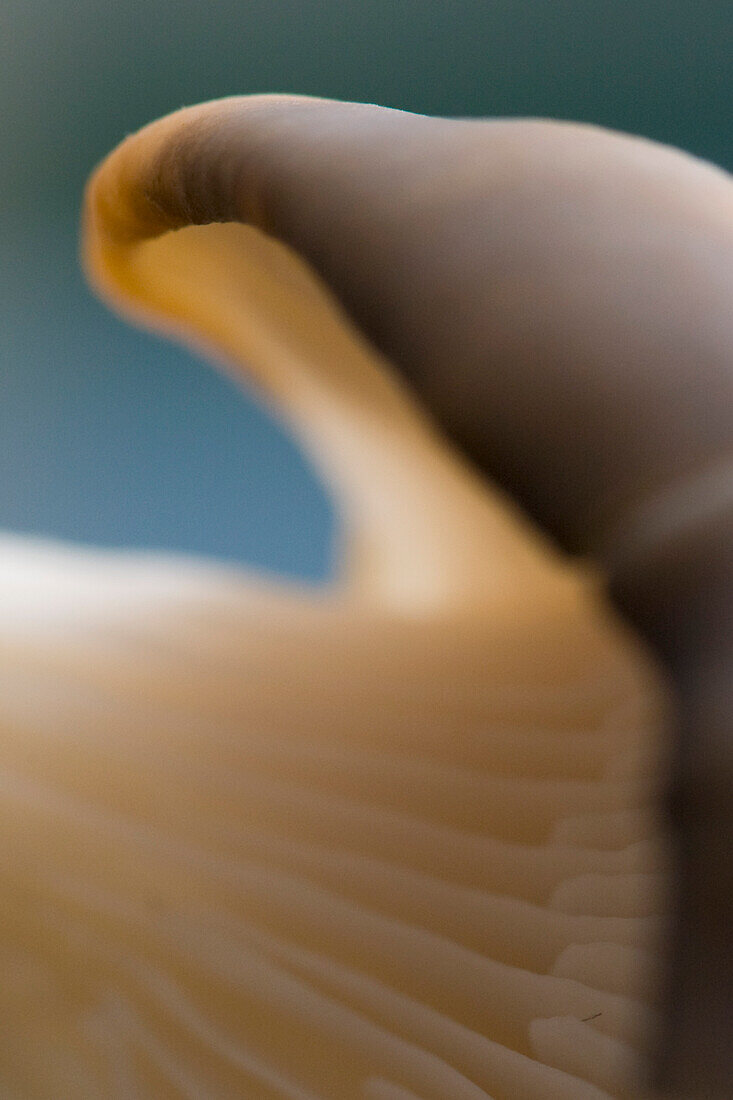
110, 437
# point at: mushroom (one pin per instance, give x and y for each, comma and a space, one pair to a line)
396, 838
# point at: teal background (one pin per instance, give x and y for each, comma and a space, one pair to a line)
110, 437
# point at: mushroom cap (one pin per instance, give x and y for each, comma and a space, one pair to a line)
395, 838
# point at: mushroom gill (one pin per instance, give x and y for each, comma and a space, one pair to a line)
392, 839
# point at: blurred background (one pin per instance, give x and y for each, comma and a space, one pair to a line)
111, 438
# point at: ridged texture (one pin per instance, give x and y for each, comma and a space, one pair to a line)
254, 845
